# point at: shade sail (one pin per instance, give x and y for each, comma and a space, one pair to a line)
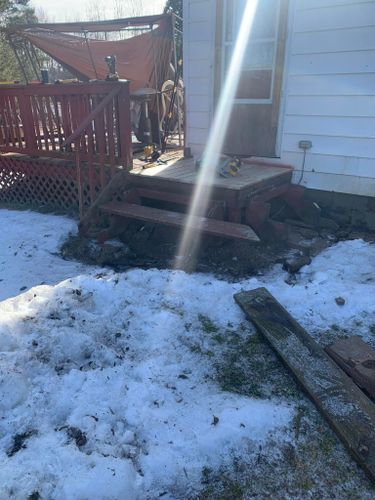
92, 26
143, 60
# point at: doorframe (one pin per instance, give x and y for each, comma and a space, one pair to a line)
285, 76
278, 70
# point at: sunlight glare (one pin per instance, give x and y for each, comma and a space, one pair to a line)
189, 242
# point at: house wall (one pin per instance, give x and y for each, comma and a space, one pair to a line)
328, 92
199, 57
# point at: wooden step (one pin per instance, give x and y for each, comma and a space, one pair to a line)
213, 227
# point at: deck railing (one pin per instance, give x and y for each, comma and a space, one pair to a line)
38, 119
84, 122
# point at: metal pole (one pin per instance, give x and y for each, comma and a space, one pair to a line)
36, 56
36, 71
90, 54
175, 68
18, 58
157, 86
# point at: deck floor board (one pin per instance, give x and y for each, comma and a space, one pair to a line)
183, 170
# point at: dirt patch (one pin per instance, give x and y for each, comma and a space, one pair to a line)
19, 442
76, 435
147, 246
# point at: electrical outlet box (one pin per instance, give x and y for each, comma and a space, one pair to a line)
305, 145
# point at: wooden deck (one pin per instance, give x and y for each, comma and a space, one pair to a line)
183, 170
180, 175
84, 151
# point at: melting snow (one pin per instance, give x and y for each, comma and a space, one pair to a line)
110, 355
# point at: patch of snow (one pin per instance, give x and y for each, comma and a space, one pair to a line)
29, 242
343, 270
110, 357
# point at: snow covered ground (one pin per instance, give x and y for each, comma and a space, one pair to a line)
104, 391
28, 245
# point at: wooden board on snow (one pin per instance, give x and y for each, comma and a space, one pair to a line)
349, 411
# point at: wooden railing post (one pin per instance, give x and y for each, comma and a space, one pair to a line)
87, 122
79, 177
125, 152
27, 121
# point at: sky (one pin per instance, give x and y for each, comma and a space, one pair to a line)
75, 10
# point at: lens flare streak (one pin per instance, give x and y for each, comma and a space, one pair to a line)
189, 242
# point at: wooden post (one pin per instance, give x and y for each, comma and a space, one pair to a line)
27, 122
118, 183
79, 178
176, 62
156, 86
125, 152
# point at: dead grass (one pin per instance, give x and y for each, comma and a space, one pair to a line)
309, 461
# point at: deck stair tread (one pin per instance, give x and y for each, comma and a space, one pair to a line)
213, 227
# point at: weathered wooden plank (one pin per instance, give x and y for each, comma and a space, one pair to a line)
10, 122
123, 128
36, 121
184, 170
99, 106
61, 90
51, 127
100, 137
17, 129
39, 103
349, 411
357, 359
214, 227
117, 184
110, 135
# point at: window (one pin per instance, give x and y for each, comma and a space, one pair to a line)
256, 80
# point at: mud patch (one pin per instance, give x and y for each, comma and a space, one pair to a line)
147, 246
19, 442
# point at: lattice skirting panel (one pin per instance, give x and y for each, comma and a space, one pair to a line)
48, 182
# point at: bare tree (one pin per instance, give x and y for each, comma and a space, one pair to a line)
136, 7
119, 10
43, 16
127, 8
96, 10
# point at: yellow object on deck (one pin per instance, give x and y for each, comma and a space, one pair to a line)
148, 150
67, 81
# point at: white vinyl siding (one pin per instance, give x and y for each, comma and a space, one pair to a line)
199, 48
329, 94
